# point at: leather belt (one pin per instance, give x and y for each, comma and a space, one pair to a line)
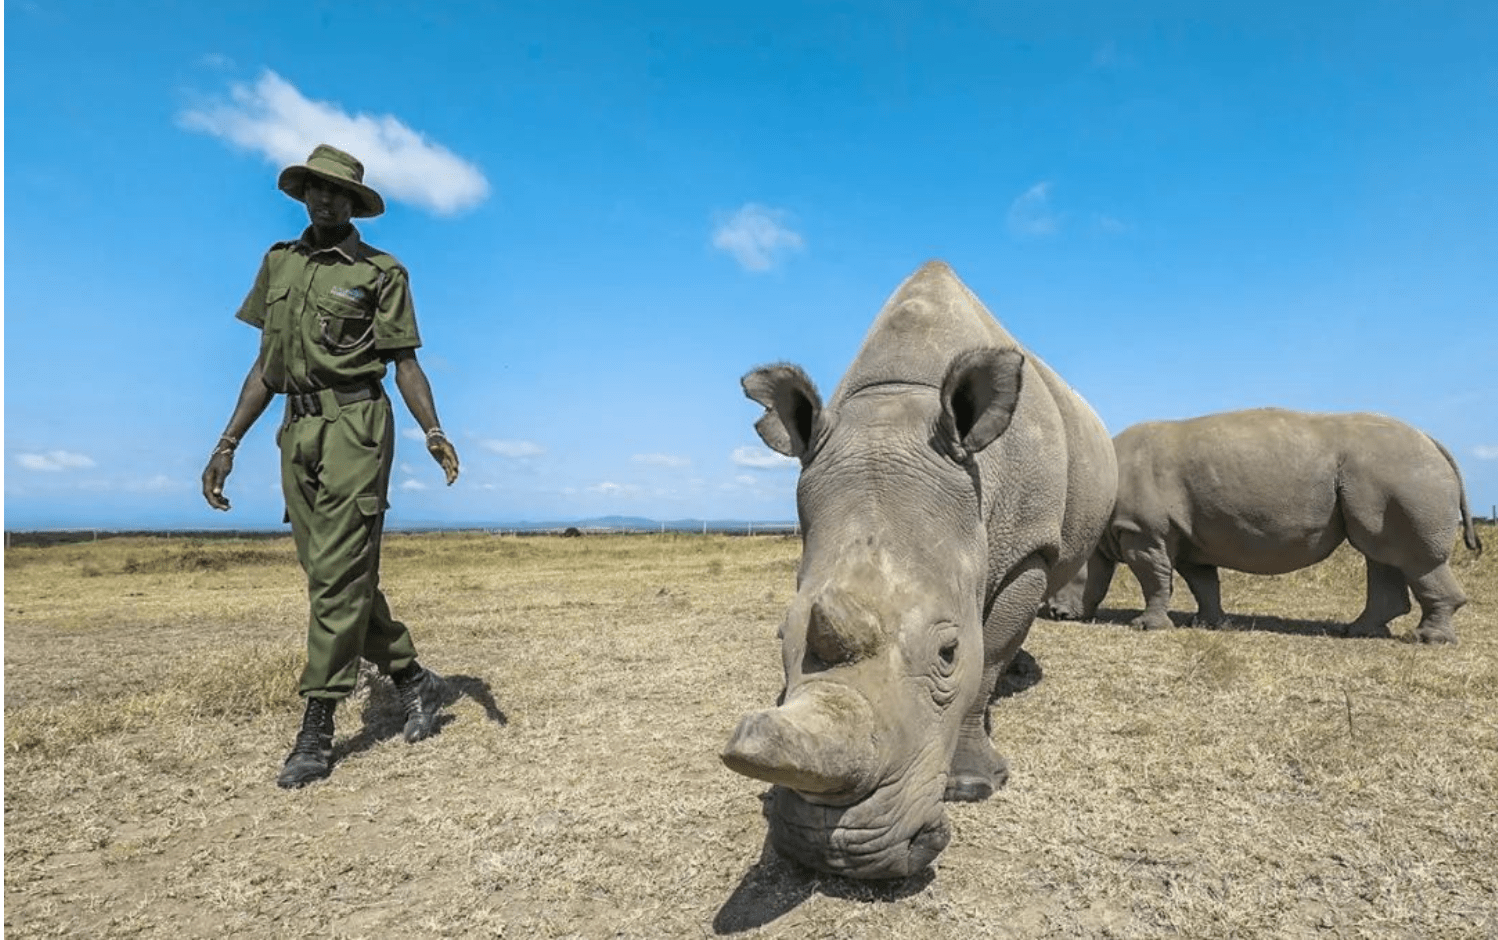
312, 404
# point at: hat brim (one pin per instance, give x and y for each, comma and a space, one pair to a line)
367, 202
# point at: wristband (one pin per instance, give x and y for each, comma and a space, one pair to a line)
436, 432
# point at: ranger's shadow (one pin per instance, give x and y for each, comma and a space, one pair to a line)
774, 886
1236, 623
383, 717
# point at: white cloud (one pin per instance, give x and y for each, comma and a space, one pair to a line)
272, 118
1486, 451
757, 236
1108, 225
662, 460
414, 434
54, 461
762, 458
413, 485
1030, 214
156, 484
615, 489
517, 450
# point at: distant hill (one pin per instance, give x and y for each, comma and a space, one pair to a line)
599, 524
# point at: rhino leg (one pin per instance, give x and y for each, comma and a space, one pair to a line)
1440, 597
1099, 579
977, 769
1150, 562
1205, 587
1388, 597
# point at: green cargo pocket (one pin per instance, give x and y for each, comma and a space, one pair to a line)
369, 506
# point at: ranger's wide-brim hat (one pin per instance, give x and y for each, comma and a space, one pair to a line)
338, 168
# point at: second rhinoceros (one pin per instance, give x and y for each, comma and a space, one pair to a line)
1269, 491
949, 483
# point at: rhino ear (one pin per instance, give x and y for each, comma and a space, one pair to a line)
978, 398
792, 407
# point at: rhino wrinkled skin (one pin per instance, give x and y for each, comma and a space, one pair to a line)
1270, 491
950, 483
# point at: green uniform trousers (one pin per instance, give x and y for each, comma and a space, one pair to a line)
335, 473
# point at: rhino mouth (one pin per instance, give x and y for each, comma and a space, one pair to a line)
881, 836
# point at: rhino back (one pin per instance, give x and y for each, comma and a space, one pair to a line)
1267, 490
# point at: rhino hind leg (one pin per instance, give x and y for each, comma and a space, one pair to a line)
977, 770
1207, 589
1440, 597
1388, 598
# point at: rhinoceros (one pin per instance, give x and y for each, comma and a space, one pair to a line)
951, 481
1269, 491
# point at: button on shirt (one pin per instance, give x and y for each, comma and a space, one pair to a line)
329, 317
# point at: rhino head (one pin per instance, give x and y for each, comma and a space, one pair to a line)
883, 645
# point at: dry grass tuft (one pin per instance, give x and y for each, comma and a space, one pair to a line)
1268, 779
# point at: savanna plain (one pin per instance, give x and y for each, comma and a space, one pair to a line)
1266, 779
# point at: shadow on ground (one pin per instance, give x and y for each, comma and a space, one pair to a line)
1023, 673
1239, 623
775, 886
384, 718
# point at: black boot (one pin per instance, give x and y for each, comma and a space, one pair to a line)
311, 757
421, 696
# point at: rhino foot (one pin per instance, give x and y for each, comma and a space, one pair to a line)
973, 786
1149, 621
1363, 628
1436, 636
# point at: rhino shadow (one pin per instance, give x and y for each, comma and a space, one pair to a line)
1239, 623
1022, 673
384, 718
775, 885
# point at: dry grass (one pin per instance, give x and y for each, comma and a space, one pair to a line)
1262, 781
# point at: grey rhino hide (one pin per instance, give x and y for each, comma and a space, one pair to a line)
1270, 491
949, 483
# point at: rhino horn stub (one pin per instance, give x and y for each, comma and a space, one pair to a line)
818, 743
840, 631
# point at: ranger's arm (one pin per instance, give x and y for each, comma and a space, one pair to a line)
254, 398
417, 392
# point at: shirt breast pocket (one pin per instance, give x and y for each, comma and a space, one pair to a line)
347, 325
277, 307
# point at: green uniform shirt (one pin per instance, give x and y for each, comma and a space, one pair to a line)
329, 317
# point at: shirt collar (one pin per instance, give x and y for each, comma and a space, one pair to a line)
349, 247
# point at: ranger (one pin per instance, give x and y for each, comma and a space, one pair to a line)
333, 313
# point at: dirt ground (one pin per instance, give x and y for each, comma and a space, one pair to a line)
1269, 780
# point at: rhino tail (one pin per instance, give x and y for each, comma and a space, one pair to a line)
1469, 531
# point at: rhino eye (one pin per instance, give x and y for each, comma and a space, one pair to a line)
946, 657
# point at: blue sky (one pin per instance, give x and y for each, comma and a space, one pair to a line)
612, 211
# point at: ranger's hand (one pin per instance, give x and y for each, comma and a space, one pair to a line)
214, 476
444, 453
